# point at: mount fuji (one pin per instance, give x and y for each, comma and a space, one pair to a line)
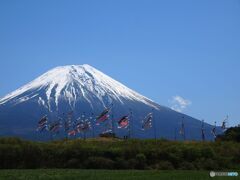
84, 89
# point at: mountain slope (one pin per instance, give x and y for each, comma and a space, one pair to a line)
83, 89
73, 83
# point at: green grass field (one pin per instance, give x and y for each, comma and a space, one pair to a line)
103, 175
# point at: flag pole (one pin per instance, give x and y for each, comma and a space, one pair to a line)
175, 134
215, 125
224, 123
113, 128
130, 124
214, 130
84, 121
49, 123
155, 126
183, 129
66, 125
93, 125
51, 134
203, 135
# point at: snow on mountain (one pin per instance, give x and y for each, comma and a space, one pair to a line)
73, 83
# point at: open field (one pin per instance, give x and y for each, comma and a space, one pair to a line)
64, 174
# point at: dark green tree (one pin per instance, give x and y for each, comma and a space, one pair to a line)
232, 134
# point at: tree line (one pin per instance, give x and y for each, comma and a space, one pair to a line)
107, 153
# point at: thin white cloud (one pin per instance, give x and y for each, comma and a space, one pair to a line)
179, 103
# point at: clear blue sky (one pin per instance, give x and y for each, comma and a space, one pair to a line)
158, 48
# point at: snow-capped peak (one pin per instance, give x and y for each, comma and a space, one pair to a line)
71, 83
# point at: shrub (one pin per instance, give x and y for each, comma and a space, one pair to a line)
191, 153
73, 163
141, 161
164, 165
99, 163
208, 153
121, 164
187, 166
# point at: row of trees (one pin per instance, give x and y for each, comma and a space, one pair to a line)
118, 154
